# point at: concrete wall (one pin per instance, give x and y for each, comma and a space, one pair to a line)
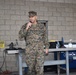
61, 16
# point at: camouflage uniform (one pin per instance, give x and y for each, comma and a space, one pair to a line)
36, 39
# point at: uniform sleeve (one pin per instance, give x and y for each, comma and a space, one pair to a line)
22, 32
46, 43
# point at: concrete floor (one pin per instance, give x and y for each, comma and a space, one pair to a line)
48, 73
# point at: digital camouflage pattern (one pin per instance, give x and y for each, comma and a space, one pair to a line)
36, 39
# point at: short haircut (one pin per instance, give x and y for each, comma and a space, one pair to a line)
32, 13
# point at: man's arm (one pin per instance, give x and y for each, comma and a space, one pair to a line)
22, 32
46, 43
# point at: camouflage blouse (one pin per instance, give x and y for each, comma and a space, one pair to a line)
35, 33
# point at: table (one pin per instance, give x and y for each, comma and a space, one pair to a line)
54, 62
18, 54
59, 62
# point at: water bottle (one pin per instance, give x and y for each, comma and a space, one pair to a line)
70, 44
62, 39
16, 43
57, 45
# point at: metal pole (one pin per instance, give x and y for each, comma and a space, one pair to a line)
67, 63
58, 66
20, 63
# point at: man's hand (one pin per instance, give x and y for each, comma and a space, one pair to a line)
46, 51
28, 25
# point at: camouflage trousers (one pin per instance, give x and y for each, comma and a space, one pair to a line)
35, 59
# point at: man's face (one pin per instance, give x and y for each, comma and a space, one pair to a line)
33, 19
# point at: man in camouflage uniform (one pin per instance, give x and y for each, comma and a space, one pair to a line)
34, 34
